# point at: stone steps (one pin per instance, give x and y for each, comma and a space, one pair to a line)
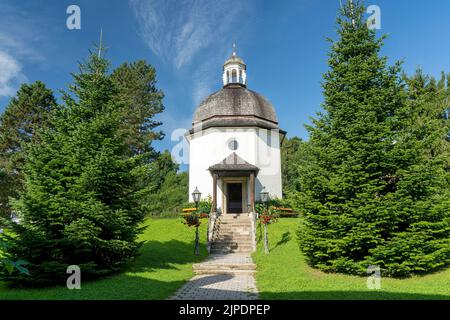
233, 233
236, 237
222, 271
232, 249
231, 246
231, 242
233, 227
223, 266
243, 221
236, 222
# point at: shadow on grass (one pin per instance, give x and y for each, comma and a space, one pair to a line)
285, 238
154, 275
156, 255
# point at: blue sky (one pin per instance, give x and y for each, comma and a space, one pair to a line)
283, 43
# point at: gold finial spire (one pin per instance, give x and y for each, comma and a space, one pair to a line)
100, 46
234, 49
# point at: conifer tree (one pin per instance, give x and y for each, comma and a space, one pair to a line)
81, 204
28, 111
289, 154
371, 192
170, 188
136, 83
431, 103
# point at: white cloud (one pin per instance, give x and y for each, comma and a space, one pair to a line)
11, 74
205, 77
17, 47
177, 30
195, 37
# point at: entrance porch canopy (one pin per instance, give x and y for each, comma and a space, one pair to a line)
233, 166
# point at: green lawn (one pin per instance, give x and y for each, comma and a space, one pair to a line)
166, 261
164, 265
284, 274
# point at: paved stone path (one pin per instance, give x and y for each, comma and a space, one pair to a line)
226, 286
228, 259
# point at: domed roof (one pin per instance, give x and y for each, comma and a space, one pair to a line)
234, 59
235, 105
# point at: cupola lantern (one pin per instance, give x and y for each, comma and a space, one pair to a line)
234, 70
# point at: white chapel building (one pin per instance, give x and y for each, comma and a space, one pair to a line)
235, 145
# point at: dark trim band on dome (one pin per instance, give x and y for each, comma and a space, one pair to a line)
244, 116
235, 85
235, 122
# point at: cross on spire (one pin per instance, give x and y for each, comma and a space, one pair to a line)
100, 46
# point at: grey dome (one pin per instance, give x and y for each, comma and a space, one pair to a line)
235, 105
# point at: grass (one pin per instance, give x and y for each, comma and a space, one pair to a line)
164, 265
166, 259
284, 274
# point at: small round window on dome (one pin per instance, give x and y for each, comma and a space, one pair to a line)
233, 145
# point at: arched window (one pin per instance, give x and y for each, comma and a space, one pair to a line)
233, 145
234, 76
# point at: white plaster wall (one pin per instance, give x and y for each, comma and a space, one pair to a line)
257, 146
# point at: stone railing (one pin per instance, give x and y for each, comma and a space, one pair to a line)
253, 219
210, 232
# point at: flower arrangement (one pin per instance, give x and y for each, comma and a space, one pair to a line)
192, 219
268, 216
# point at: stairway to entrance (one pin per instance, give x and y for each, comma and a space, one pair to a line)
231, 247
232, 234
228, 273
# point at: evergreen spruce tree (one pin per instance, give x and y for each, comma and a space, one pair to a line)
28, 111
289, 154
81, 204
136, 83
170, 188
431, 102
371, 192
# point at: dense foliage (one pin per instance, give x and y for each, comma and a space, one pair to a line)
7, 266
141, 100
204, 205
26, 112
374, 183
169, 187
82, 203
289, 159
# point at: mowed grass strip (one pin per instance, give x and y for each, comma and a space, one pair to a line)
284, 274
164, 265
